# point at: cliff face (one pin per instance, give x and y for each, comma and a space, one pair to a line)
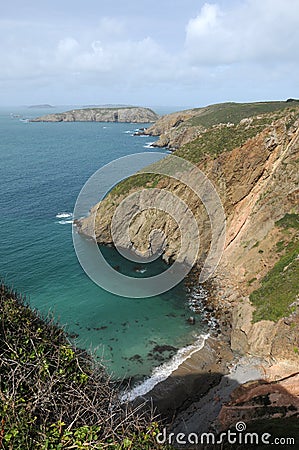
130, 115
254, 167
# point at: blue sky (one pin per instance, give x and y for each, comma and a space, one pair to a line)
176, 53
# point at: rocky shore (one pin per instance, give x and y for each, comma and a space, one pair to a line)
217, 386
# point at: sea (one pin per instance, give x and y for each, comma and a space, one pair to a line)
42, 170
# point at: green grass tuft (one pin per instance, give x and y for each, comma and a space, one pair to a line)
280, 286
289, 221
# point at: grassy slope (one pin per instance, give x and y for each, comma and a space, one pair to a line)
217, 140
234, 112
279, 287
51, 394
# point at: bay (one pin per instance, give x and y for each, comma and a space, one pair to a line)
43, 168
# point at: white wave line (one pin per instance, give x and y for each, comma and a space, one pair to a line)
162, 372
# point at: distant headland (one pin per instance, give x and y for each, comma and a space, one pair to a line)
103, 114
43, 106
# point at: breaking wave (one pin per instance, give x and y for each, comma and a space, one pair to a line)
162, 372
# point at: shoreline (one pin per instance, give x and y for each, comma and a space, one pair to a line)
191, 397
198, 397
192, 379
165, 370
199, 303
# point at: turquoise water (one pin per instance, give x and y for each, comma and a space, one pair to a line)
43, 168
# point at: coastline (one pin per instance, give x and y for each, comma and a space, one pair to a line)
195, 369
199, 301
192, 397
192, 379
164, 371
199, 396
230, 353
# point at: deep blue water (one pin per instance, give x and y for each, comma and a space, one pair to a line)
43, 168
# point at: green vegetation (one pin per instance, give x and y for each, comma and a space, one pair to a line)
252, 281
223, 138
218, 140
289, 221
53, 395
234, 112
279, 287
146, 180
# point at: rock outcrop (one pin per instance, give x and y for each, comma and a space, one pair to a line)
127, 114
263, 400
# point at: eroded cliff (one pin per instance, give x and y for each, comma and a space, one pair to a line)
253, 165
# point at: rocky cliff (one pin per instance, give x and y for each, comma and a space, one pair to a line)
253, 163
124, 114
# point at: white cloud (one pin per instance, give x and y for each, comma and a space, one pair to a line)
242, 46
206, 22
257, 31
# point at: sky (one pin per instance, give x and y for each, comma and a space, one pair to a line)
158, 52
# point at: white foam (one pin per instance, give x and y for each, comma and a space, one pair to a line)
64, 222
63, 215
149, 145
162, 372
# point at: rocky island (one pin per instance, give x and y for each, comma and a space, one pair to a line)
250, 152
130, 114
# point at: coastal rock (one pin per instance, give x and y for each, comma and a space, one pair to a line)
191, 320
249, 338
262, 400
124, 114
